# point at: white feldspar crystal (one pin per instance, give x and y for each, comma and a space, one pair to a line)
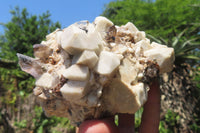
47, 81
163, 56
157, 45
102, 25
131, 27
139, 36
144, 44
58, 36
75, 40
73, 90
76, 72
128, 71
120, 49
88, 58
95, 70
107, 63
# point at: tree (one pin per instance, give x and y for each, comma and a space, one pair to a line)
176, 24
21, 33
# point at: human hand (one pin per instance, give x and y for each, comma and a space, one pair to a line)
149, 123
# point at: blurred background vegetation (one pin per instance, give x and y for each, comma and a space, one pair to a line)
175, 23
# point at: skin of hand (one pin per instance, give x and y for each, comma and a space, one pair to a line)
149, 123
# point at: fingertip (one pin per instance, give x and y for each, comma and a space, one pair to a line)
98, 126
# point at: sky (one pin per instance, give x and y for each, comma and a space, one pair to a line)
64, 11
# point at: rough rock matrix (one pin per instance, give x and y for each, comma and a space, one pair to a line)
93, 70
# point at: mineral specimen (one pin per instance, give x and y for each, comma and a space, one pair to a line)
93, 70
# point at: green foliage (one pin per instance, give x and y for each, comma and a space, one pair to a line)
197, 77
171, 118
195, 128
43, 123
169, 22
23, 31
138, 116
170, 123
160, 18
162, 128
116, 120
21, 124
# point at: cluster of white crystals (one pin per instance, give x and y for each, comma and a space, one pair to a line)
93, 70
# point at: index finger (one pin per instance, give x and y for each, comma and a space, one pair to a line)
151, 114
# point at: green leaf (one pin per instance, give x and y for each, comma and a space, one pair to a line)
190, 42
178, 38
163, 41
153, 38
191, 57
